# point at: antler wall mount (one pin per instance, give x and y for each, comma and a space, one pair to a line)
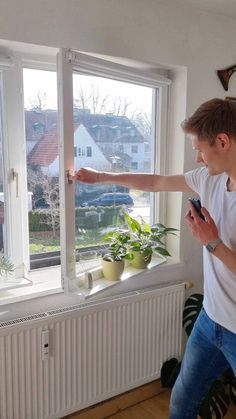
224, 75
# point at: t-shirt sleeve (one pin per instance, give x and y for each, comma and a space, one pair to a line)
195, 179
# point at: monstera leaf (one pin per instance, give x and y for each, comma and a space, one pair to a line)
229, 381
216, 402
192, 309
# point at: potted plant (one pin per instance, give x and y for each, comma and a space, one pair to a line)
146, 239
6, 267
113, 261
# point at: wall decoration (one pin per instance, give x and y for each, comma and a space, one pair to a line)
224, 75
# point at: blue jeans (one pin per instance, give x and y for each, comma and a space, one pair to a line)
209, 351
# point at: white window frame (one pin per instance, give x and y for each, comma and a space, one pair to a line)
15, 166
15, 153
15, 186
71, 61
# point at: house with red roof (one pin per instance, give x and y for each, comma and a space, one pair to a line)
45, 153
117, 140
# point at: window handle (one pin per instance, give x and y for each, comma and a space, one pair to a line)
70, 177
14, 176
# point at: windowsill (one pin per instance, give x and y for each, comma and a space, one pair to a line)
43, 286
12, 283
101, 283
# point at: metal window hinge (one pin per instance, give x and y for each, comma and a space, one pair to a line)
15, 177
70, 55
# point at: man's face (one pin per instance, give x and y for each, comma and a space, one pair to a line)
209, 155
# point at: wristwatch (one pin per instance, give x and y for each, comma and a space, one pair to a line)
212, 245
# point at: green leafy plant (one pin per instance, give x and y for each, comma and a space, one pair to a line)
118, 245
147, 239
222, 390
5, 265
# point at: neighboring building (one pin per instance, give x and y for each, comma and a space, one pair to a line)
37, 123
116, 137
86, 152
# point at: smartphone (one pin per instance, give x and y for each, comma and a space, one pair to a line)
197, 205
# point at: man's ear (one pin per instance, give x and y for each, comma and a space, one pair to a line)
223, 141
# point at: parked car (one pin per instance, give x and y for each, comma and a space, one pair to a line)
108, 199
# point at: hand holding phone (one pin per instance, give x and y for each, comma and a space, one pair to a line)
197, 206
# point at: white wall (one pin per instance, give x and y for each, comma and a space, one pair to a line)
193, 44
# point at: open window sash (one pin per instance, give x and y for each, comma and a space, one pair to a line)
66, 177
70, 62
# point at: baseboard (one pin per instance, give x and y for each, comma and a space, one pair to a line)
123, 401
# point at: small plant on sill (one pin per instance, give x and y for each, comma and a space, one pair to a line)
146, 239
118, 250
118, 245
6, 267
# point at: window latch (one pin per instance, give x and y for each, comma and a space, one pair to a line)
14, 177
69, 177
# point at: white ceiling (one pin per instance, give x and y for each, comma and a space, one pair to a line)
223, 7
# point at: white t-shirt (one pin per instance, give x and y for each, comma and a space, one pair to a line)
219, 282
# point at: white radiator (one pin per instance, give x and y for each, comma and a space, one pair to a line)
96, 351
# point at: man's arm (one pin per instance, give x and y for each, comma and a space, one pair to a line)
142, 181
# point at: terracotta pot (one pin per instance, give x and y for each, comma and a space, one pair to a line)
112, 271
140, 261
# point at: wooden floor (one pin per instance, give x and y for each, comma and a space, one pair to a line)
156, 407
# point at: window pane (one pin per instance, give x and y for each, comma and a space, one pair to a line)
40, 102
2, 225
113, 132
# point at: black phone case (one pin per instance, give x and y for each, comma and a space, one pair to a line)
197, 205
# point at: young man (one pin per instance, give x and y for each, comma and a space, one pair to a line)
212, 344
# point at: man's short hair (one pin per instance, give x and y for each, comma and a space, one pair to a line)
212, 118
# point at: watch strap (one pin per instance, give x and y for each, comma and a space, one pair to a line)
212, 245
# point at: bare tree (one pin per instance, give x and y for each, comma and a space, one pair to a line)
93, 100
119, 106
39, 102
143, 123
98, 104
45, 187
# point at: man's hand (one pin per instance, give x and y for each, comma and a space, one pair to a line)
204, 231
87, 175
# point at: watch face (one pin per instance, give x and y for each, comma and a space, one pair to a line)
209, 248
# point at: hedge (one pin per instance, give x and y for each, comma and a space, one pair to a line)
87, 218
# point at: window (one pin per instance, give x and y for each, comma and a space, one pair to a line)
134, 165
81, 151
89, 151
40, 111
134, 149
2, 182
97, 91
121, 148
96, 128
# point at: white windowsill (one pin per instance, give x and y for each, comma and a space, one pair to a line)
101, 283
43, 286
